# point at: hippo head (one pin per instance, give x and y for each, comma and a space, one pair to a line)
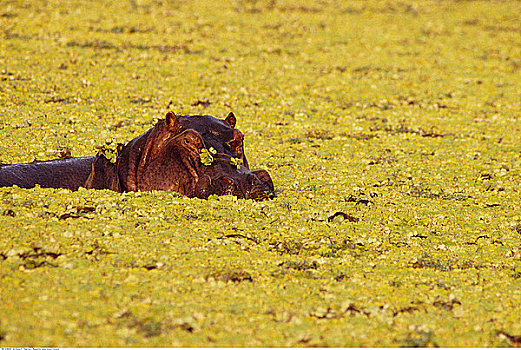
226, 169
168, 158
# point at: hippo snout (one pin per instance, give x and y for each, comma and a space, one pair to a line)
252, 186
246, 186
229, 186
257, 188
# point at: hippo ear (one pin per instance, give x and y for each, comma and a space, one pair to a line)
230, 120
172, 121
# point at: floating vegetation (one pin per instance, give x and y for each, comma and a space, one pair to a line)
389, 129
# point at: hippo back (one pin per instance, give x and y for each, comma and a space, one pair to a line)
70, 173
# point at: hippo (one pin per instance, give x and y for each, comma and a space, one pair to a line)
194, 155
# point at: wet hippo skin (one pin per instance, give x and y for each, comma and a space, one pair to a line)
166, 157
60, 173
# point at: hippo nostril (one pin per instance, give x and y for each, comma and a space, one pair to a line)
252, 180
265, 178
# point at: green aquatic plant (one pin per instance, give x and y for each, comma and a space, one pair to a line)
207, 156
111, 150
236, 162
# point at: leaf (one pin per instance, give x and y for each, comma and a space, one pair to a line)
111, 149
206, 157
236, 162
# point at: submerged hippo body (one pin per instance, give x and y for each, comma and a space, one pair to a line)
166, 157
68, 173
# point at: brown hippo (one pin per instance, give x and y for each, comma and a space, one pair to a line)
166, 157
